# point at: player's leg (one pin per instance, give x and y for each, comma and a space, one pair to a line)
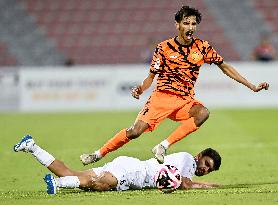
60, 169
121, 138
124, 136
57, 167
117, 174
67, 178
104, 182
198, 114
125, 173
86, 180
157, 108
28, 145
191, 116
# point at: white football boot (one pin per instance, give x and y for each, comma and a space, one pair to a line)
159, 152
89, 158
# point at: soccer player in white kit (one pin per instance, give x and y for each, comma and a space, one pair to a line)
123, 173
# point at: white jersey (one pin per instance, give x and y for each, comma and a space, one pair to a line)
184, 161
132, 173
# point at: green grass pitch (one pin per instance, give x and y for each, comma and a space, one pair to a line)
246, 139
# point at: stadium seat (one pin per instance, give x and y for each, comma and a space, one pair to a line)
268, 9
116, 31
6, 58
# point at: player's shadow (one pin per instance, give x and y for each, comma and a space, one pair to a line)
247, 185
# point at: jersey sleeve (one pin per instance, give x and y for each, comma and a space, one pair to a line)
187, 163
157, 62
211, 56
188, 171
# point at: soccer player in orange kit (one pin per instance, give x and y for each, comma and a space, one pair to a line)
176, 62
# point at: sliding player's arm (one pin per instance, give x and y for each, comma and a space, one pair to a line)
188, 184
232, 73
147, 82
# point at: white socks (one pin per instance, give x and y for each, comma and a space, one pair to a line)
68, 182
98, 154
46, 159
41, 155
165, 144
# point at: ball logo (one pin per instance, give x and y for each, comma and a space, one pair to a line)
168, 178
195, 56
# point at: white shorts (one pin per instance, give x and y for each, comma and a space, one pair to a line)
130, 172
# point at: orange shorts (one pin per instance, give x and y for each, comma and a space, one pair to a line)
162, 105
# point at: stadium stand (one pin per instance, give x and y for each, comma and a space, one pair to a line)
268, 8
240, 22
6, 58
116, 31
23, 38
107, 31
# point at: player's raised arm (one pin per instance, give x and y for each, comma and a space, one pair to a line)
232, 73
139, 89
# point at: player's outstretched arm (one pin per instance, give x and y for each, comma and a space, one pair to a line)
147, 82
204, 185
188, 184
232, 73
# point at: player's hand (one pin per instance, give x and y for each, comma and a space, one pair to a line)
261, 86
136, 91
210, 185
215, 185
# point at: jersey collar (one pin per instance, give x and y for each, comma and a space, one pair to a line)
179, 44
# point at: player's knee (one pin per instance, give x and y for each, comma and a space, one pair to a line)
200, 114
133, 133
86, 183
100, 186
104, 182
136, 130
203, 115
92, 184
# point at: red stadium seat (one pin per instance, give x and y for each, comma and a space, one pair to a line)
6, 58
268, 9
116, 31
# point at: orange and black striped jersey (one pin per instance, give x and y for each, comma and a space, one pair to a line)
178, 66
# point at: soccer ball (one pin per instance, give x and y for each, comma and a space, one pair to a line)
168, 178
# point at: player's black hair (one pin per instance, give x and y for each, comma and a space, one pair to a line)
186, 11
214, 155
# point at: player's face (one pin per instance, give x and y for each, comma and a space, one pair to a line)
204, 166
187, 27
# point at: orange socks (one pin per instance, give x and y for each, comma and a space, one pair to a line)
117, 141
187, 127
